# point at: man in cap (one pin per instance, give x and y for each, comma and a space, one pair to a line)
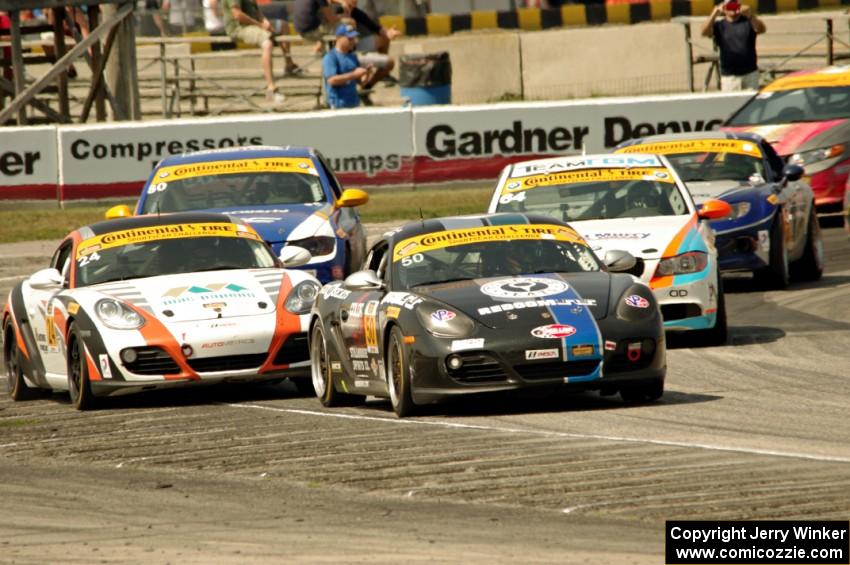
343, 70
735, 37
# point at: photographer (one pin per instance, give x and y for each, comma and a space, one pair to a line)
735, 37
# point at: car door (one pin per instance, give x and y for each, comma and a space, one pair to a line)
359, 324
42, 311
794, 199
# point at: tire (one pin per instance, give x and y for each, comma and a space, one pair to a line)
638, 394
398, 374
320, 371
776, 275
719, 333
79, 385
810, 266
18, 389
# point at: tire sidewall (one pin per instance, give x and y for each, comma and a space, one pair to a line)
81, 397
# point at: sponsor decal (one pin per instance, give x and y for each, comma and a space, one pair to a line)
370, 326
442, 141
622, 235
336, 367
764, 241
159, 233
334, 291
360, 365
358, 352
105, 369
407, 300
524, 287
610, 345
214, 325
393, 312
443, 316
737, 146
265, 165
589, 175
214, 291
450, 238
678, 293
73, 308
226, 343
553, 331
582, 350
585, 162
361, 383
355, 309
541, 354
464, 344
544, 303
833, 77
637, 301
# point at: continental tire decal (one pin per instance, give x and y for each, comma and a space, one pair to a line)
157, 233
302, 165
737, 146
658, 174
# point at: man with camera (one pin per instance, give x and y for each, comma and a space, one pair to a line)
735, 37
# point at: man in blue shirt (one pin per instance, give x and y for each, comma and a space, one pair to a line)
342, 70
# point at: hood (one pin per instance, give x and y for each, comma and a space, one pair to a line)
792, 138
725, 189
284, 222
526, 302
201, 296
646, 238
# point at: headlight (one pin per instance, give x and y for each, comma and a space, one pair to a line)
816, 155
443, 322
317, 246
117, 315
301, 297
691, 262
739, 210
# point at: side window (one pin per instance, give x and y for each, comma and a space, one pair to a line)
774, 161
377, 260
61, 260
335, 186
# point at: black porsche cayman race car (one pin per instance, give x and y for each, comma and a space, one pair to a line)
485, 303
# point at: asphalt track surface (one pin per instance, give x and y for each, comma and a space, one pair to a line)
756, 429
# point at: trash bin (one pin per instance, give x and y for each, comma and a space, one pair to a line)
426, 78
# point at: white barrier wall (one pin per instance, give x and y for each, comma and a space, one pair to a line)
28, 162
367, 147
475, 142
364, 147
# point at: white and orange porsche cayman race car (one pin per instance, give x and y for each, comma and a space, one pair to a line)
155, 302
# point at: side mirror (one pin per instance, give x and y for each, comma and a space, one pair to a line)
46, 279
714, 209
120, 211
352, 197
619, 261
793, 172
363, 280
294, 256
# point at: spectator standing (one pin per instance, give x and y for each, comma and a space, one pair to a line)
342, 71
243, 21
735, 36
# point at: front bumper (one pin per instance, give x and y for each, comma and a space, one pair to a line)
744, 249
690, 302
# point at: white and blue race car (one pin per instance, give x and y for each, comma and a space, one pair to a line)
634, 203
289, 195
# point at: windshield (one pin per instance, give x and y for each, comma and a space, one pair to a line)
577, 201
798, 105
170, 256
695, 167
230, 190
471, 258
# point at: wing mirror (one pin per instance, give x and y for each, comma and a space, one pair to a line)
46, 279
352, 197
792, 173
363, 280
619, 261
120, 211
714, 209
294, 256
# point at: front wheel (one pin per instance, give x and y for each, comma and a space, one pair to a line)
776, 274
18, 389
79, 385
810, 266
398, 374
